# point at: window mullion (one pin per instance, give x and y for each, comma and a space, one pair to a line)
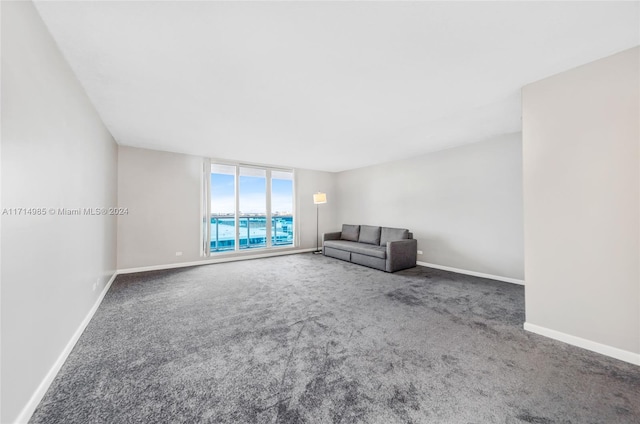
237, 215
268, 222
206, 207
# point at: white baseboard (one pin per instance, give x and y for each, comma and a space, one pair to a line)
37, 396
474, 273
614, 352
213, 261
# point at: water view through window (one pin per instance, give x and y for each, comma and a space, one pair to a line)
244, 192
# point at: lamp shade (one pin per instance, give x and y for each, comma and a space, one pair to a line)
319, 198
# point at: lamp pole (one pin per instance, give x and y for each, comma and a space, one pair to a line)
318, 199
317, 228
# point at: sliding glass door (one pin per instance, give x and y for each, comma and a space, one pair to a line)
253, 208
223, 208
281, 208
250, 208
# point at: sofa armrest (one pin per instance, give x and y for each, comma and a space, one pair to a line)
401, 254
331, 236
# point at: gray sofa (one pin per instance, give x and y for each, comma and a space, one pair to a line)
388, 249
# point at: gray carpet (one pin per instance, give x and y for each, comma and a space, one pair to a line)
310, 339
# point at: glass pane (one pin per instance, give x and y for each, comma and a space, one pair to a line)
223, 207
281, 208
252, 195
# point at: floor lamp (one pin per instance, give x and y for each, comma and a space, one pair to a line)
318, 199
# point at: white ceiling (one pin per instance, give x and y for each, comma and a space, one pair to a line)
324, 85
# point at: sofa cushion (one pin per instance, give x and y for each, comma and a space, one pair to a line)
355, 247
350, 232
369, 261
392, 234
337, 253
369, 234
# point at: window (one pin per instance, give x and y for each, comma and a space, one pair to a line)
281, 208
253, 208
249, 208
223, 208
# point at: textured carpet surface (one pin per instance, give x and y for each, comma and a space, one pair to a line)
310, 339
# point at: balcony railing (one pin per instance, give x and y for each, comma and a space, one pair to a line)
252, 234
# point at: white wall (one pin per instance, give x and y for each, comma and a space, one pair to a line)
307, 183
162, 192
581, 192
55, 154
464, 205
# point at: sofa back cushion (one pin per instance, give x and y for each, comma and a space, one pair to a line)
393, 234
369, 234
350, 232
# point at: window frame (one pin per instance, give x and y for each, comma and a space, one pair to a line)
206, 209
